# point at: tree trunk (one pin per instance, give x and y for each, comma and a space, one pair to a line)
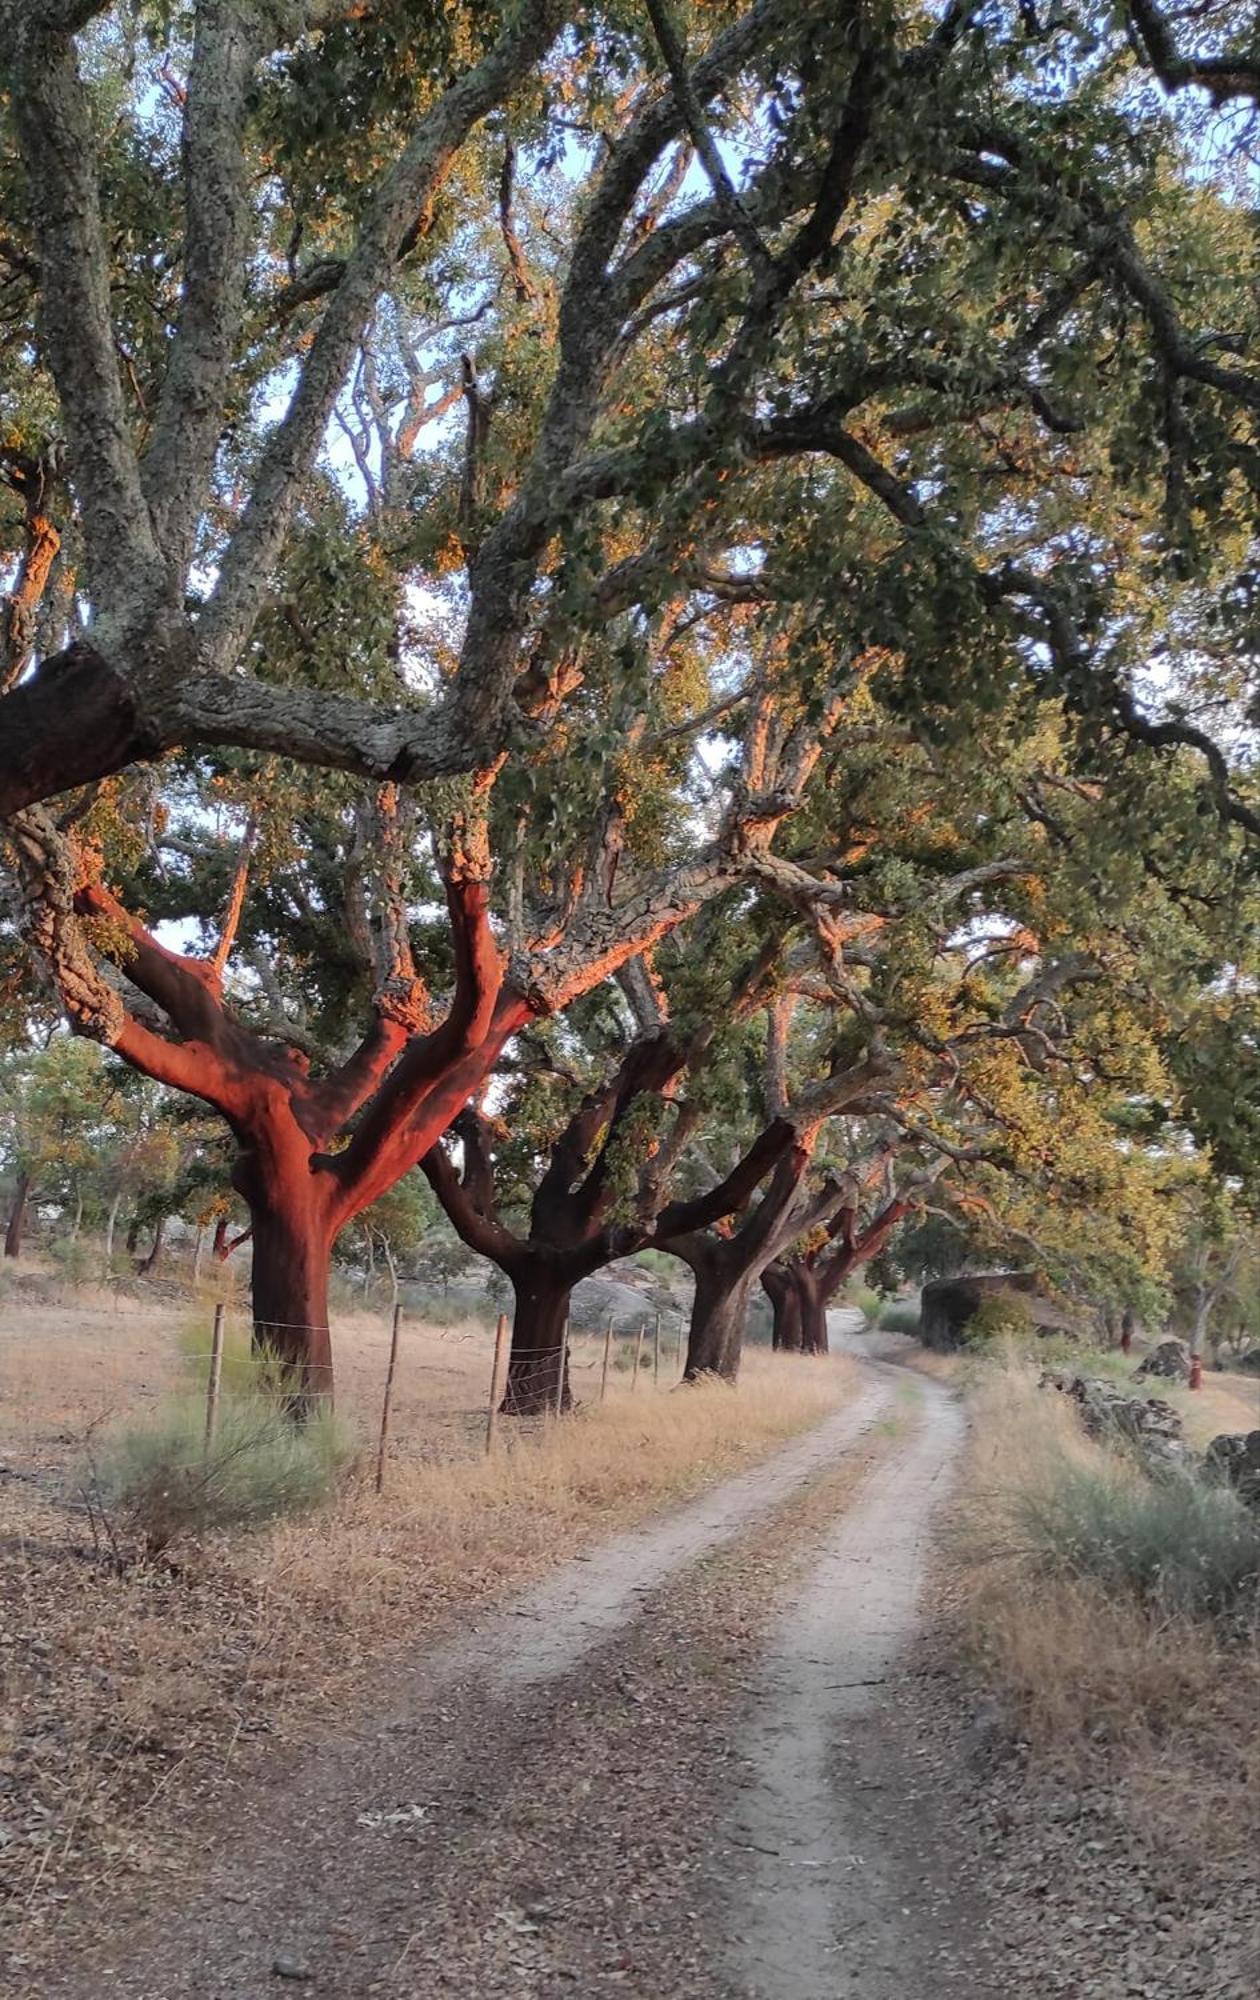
133, 1235
719, 1310
148, 1265
291, 1267
539, 1351
77, 1224
17, 1216
779, 1286
110, 1223
812, 1298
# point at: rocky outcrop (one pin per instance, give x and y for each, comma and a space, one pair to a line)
947, 1304
1235, 1460
1248, 1363
1169, 1361
1150, 1427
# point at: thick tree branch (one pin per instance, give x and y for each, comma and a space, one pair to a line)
247, 564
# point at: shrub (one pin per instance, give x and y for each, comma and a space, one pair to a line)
165, 1483
864, 1299
1177, 1542
74, 1259
900, 1316
1000, 1316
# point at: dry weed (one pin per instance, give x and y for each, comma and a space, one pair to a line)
1101, 1683
125, 1699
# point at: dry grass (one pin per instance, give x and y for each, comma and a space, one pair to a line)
127, 1699
1100, 1679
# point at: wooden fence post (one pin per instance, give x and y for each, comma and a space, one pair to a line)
638, 1354
558, 1406
603, 1380
388, 1398
682, 1349
656, 1353
216, 1375
496, 1384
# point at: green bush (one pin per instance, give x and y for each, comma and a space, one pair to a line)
75, 1259
866, 1300
1178, 1542
900, 1316
161, 1479
999, 1317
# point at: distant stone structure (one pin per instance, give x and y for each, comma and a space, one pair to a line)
948, 1304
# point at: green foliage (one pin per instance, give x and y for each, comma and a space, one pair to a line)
74, 1259
164, 1483
1181, 1543
867, 1301
899, 1316
1004, 1317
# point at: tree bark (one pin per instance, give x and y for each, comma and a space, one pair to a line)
110, 1223
17, 1216
538, 1353
148, 1265
291, 1266
812, 1296
724, 1278
778, 1285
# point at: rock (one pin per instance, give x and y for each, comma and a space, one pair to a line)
1152, 1427
284, 1967
1169, 1359
1248, 1363
1235, 1459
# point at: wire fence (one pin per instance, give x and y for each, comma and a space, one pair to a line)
530, 1380
405, 1387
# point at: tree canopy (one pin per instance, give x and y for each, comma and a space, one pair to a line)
506, 498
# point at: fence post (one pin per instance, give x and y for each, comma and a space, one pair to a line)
387, 1398
496, 1373
216, 1375
560, 1373
656, 1353
603, 1380
638, 1354
682, 1349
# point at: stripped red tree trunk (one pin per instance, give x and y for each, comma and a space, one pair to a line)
313, 1151
538, 1370
812, 1305
778, 1283
816, 1275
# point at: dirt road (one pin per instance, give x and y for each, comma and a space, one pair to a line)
631, 1781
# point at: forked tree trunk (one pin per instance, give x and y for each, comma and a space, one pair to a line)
17, 1216
289, 1281
538, 1362
779, 1287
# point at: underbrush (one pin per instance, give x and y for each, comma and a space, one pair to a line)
166, 1482
1118, 1618
900, 1316
1177, 1542
135, 1688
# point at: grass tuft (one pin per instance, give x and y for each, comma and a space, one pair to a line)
1178, 1542
167, 1483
